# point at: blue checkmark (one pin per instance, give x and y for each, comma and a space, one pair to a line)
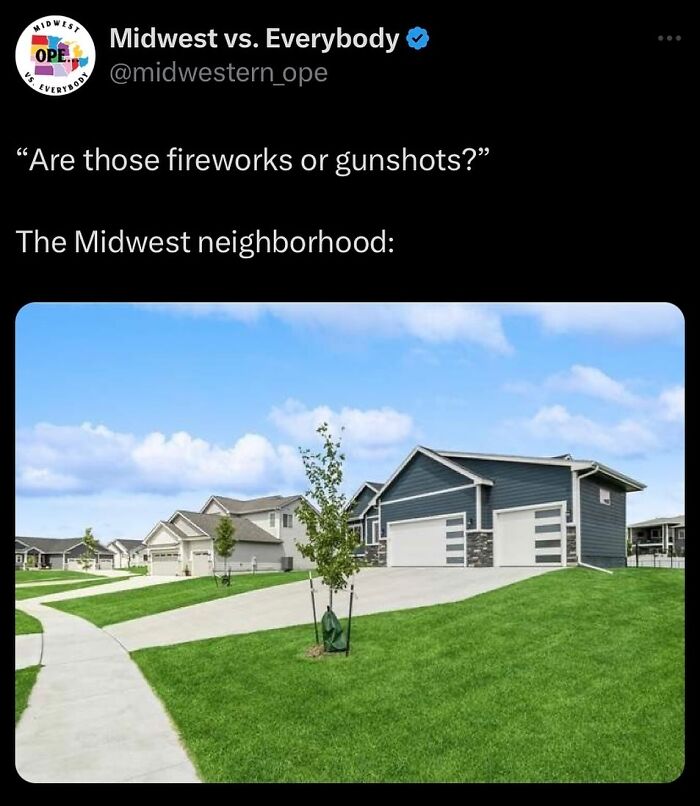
417, 38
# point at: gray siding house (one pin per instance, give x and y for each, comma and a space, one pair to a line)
447, 508
57, 553
659, 534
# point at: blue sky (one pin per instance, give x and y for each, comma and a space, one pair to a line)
127, 412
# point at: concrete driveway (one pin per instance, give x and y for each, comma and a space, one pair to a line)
377, 590
123, 584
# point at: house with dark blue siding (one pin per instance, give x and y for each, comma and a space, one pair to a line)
447, 508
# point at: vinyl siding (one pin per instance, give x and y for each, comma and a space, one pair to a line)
603, 527
360, 503
444, 504
423, 475
268, 556
517, 484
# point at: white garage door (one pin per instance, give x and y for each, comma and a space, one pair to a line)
106, 563
166, 563
530, 536
74, 565
429, 541
200, 563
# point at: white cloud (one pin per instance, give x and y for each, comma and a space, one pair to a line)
559, 427
431, 322
672, 403
54, 459
366, 430
628, 320
593, 382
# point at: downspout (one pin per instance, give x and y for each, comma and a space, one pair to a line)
594, 469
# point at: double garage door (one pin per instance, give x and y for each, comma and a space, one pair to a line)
524, 536
103, 564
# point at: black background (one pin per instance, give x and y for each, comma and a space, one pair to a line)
583, 115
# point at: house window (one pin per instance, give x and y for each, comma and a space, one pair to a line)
373, 533
356, 528
287, 521
655, 534
604, 496
19, 559
272, 519
681, 534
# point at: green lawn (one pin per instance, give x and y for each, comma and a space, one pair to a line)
50, 576
571, 676
137, 569
24, 624
43, 590
111, 608
24, 682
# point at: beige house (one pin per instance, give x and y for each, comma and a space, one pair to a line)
266, 531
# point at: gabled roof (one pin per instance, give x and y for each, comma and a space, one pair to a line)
374, 486
178, 534
129, 545
237, 506
678, 520
56, 545
435, 456
246, 531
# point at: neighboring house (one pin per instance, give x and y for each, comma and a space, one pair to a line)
128, 553
58, 553
659, 534
448, 508
265, 529
363, 519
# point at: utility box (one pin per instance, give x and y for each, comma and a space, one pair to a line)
287, 563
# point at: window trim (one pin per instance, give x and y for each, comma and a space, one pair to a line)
287, 520
272, 520
604, 492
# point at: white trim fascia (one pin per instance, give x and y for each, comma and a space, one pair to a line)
473, 531
167, 526
433, 492
194, 525
477, 495
26, 545
528, 460
551, 504
209, 500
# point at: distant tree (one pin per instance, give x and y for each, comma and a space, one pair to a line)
225, 542
331, 543
31, 560
90, 549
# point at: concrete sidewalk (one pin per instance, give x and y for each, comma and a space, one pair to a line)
92, 717
377, 590
130, 583
27, 650
66, 581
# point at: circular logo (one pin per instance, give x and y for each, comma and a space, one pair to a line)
55, 55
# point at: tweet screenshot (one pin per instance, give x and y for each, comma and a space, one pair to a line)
346, 353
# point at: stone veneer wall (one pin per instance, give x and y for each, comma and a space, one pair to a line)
480, 549
571, 557
375, 555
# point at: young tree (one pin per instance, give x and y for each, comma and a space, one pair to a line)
90, 550
225, 542
330, 541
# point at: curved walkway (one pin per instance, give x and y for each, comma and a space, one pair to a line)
28, 650
92, 717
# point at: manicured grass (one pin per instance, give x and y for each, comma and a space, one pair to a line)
111, 608
50, 576
24, 682
24, 624
136, 569
43, 590
571, 676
